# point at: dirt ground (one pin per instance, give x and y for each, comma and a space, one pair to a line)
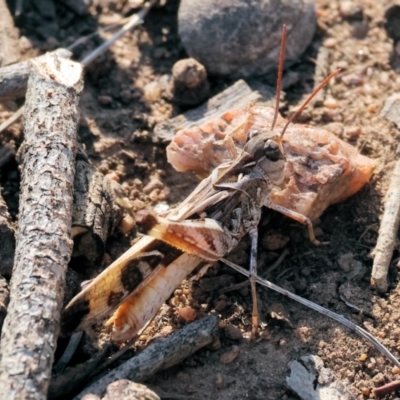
118, 115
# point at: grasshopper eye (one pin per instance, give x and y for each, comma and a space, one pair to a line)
272, 151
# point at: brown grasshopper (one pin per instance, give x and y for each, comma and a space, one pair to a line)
201, 230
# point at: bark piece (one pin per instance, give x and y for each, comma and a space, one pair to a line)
44, 245
238, 95
95, 211
14, 78
161, 354
9, 48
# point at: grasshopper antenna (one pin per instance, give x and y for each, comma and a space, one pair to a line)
280, 71
320, 86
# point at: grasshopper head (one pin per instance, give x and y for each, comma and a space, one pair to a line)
266, 149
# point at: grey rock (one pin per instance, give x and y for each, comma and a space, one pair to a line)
391, 110
241, 37
310, 380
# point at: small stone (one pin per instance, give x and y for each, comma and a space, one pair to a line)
230, 356
113, 176
273, 241
395, 370
345, 261
379, 379
189, 82
104, 100
152, 92
221, 305
90, 397
363, 357
353, 132
219, 381
191, 388
330, 43
232, 332
215, 345
350, 10
331, 103
391, 109
166, 330
127, 224
188, 314
154, 183
366, 392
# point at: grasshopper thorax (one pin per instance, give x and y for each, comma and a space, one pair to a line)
266, 151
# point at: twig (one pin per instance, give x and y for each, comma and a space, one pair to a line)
324, 311
386, 389
383, 251
14, 118
14, 78
68, 353
44, 245
164, 353
133, 22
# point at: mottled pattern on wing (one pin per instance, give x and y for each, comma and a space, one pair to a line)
119, 281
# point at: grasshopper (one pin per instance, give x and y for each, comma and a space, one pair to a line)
205, 227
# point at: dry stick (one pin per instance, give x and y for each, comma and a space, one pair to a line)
383, 251
134, 21
13, 78
164, 353
44, 245
324, 311
386, 389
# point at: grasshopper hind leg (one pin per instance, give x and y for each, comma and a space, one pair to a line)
253, 276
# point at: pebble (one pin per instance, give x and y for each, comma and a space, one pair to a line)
331, 103
221, 305
219, 381
152, 92
379, 379
113, 176
330, 43
350, 10
104, 100
232, 332
189, 82
240, 38
363, 357
391, 109
188, 314
353, 132
230, 355
215, 345
127, 224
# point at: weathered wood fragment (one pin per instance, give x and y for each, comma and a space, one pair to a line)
14, 78
95, 211
44, 244
236, 96
163, 353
